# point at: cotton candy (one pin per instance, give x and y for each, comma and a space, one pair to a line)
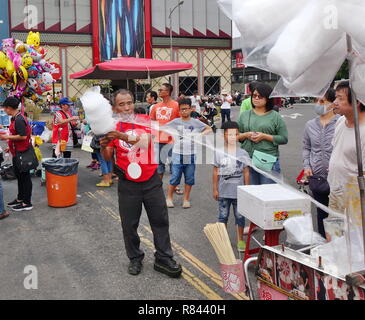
304, 40
258, 19
316, 80
98, 111
351, 15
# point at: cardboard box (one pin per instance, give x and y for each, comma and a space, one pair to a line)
269, 205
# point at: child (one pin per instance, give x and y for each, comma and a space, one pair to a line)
184, 151
230, 170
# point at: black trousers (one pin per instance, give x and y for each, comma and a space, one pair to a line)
225, 113
132, 195
25, 185
66, 154
321, 198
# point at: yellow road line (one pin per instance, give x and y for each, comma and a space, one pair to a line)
190, 277
216, 278
195, 262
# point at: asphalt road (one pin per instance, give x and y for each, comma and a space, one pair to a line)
78, 252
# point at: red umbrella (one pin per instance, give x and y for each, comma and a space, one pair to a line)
131, 68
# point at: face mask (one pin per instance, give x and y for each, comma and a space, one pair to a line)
321, 109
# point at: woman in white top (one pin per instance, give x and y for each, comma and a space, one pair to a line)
226, 106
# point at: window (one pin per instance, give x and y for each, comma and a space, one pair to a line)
188, 85
212, 85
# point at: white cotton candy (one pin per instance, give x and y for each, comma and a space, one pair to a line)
98, 111
303, 41
315, 81
258, 19
351, 15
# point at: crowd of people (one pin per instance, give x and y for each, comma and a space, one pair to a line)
149, 142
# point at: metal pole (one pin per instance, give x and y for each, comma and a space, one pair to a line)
170, 17
361, 179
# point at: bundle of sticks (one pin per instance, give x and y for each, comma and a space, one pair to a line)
218, 237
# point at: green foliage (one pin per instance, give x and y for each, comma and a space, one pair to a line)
344, 72
105, 85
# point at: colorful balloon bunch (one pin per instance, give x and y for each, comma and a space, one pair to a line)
24, 72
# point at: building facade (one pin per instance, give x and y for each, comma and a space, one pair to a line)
80, 33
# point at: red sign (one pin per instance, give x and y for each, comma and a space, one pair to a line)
239, 60
58, 73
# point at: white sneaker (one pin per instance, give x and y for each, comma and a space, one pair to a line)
186, 204
169, 203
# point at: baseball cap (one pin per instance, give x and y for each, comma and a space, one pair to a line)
65, 101
11, 102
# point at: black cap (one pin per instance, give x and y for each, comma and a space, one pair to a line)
11, 102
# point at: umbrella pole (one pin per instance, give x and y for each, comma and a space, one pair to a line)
361, 179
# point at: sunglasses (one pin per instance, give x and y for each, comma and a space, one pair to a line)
257, 96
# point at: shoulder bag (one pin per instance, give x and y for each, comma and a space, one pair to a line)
74, 134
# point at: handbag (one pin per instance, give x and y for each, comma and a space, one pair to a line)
95, 144
319, 184
26, 160
86, 143
261, 160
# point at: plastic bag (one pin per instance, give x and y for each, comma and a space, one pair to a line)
299, 231
46, 135
98, 111
61, 166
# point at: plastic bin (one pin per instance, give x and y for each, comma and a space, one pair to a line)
61, 182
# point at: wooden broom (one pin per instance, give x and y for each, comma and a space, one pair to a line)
218, 237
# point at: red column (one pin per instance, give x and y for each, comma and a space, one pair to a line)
95, 30
148, 28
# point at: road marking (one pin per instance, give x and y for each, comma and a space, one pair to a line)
190, 258
190, 277
201, 266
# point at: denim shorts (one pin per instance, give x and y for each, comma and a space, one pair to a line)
183, 164
224, 206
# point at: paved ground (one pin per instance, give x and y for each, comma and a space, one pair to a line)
79, 251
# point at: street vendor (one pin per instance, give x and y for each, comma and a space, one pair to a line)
343, 163
139, 184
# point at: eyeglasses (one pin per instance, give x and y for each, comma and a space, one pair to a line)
257, 96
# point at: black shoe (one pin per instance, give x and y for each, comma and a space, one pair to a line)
14, 203
23, 207
169, 267
135, 267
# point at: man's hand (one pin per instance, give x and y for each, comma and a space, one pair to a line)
308, 172
215, 194
113, 135
4, 137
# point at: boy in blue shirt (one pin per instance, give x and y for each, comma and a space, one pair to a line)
230, 171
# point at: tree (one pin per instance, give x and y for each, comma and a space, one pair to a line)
344, 72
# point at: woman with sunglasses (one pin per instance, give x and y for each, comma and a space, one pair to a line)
262, 129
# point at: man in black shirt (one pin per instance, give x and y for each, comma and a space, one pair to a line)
151, 99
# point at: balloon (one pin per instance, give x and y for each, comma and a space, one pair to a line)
34, 54
33, 72
33, 84
20, 47
34, 39
10, 69
8, 44
3, 60
27, 61
23, 73
47, 78
20, 88
46, 66
42, 51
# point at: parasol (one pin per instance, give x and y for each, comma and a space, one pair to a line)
306, 42
131, 68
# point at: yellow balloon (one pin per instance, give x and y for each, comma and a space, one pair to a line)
23, 73
10, 69
3, 60
34, 39
27, 61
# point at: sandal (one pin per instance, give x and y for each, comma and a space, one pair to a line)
103, 184
178, 191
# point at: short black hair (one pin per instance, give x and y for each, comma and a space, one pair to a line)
140, 110
186, 101
169, 86
252, 86
345, 85
11, 102
230, 125
330, 95
264, 90
153, 94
